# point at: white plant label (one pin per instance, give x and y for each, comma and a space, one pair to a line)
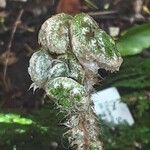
107, 104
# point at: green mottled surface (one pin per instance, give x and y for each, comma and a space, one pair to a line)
66, 91
78, 48
54, 33
90, 43
81, 36
39, 65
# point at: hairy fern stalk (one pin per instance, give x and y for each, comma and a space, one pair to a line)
66, 67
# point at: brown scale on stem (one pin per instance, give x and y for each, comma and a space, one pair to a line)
82, 124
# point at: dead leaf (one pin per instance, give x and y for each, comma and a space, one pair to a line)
9, 58
2, 3
3, 14
71, 7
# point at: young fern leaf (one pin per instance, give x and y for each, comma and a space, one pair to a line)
80, 48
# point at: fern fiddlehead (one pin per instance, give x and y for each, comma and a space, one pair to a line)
66, 67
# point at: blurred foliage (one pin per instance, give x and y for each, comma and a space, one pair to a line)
14, 118
133, 82
1, 22
134, 73
134, 40
124, 137
138, 101
37, 131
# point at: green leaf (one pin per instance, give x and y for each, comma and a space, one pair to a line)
14, 118
134, 40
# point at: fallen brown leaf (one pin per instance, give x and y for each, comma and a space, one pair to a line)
8, 57
2, 3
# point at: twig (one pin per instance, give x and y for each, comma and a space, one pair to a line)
101, 13
104, 15
29, 50
138, 7
8, 49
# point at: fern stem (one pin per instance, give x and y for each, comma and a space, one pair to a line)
83, 131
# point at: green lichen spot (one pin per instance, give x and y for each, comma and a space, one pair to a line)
54, 33
67, 92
